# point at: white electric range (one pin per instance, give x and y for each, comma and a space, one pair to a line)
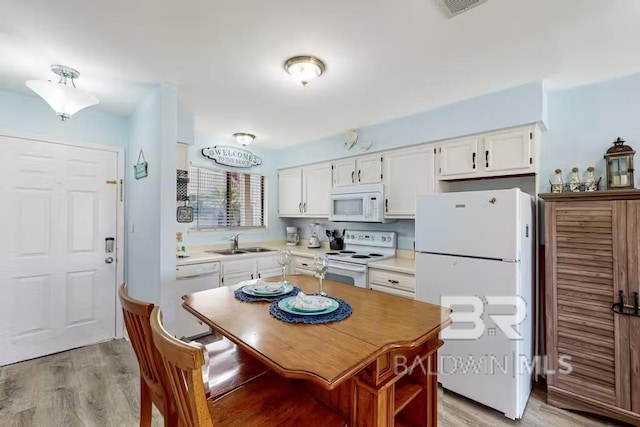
361, 247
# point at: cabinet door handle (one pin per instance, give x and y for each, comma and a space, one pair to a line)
259, 276
353, 177
486, 159
300, 207
304, 206
251, 276
386, 205
305, 264
359, 175
395, 282
473, 159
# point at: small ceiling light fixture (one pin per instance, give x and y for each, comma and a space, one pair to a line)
304, 68
63, 97
244, 138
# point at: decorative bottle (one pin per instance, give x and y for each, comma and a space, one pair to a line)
557, 184
574, 181
590, 183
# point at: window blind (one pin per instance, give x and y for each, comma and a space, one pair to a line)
223, 199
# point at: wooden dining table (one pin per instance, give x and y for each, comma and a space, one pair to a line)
375, 368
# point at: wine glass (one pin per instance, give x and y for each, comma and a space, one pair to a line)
321, 265
284, 259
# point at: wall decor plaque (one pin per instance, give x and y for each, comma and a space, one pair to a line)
232, 156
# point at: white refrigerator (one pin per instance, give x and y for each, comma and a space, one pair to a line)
475, 254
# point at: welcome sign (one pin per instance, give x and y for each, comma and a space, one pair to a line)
232, 156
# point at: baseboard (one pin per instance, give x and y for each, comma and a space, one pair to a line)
568, 400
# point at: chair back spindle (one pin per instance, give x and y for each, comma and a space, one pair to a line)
183, 365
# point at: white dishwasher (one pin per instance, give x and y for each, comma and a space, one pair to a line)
190, 279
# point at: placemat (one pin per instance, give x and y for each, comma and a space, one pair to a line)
341, 313
251, 298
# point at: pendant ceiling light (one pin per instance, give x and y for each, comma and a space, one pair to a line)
304, 68
244, 138
63, 97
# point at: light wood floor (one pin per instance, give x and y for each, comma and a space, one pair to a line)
98, 386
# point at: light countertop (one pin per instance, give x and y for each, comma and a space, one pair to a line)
398, 265
197, 254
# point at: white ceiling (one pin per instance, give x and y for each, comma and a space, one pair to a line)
385, 58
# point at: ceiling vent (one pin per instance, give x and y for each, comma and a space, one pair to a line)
455, 7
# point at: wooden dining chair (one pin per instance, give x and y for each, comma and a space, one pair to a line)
267, 401
233, 367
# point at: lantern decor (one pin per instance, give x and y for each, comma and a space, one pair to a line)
619, 165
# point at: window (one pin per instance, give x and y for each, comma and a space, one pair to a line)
223, 200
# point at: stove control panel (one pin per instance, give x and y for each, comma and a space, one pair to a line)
383, 239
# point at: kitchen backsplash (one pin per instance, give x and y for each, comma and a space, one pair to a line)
404, 227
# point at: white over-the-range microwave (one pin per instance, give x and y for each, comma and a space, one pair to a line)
358, 203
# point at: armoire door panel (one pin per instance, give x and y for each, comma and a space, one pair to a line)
633, 265
587, 268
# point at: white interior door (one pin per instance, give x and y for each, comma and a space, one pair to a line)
57, 290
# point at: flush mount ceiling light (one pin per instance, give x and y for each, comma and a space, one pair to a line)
244, 138
304, 68
63, 97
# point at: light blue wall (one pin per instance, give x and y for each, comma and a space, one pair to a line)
584, 121
270, 161
31, 116
143, 202
512, 107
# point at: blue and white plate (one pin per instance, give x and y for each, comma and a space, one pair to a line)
284, 305
257, 290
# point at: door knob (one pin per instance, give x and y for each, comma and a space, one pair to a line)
108, 260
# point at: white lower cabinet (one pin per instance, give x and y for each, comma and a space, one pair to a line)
301, 265
270, 272
234, 279
390, 282
236, 271
269, 267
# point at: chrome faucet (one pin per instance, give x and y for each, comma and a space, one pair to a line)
234, 242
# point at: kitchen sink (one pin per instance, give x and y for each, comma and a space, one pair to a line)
228, 252
255, 250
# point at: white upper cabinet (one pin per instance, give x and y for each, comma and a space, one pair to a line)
344, 173
316, 181
458, 157
305, 191
407, 174
369, 169
290, 192
508, 151
359, 170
